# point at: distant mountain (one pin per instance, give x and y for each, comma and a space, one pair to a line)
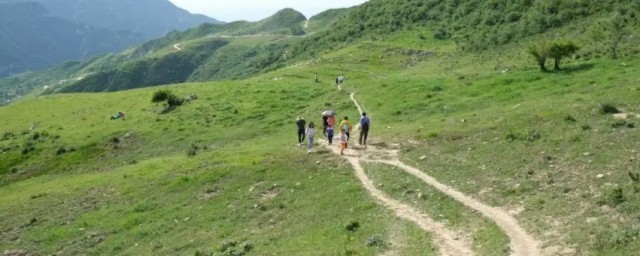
30, 40
150, 18
208, 52
36, 34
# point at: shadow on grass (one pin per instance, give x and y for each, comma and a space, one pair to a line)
576, 68
168, 109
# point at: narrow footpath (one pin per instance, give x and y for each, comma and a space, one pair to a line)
449, 242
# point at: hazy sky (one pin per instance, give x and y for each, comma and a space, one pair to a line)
254, 10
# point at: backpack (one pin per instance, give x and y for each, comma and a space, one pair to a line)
345, 127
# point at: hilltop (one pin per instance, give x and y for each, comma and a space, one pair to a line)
470, 141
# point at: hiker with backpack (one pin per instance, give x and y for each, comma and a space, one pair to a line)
301, 126
345, 125
364, 129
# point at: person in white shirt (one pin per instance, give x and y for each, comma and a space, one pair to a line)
311, 132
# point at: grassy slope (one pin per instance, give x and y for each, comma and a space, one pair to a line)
460, 109
145, 195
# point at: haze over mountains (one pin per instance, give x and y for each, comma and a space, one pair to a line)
38, 34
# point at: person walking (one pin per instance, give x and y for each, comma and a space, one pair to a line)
331, 121
301, 125
311, 132
364, 129
345, 125
325, 124
330, 134
344, 141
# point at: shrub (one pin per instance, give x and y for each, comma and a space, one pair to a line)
160, 96
608, 109
352, 226
171, 99
61, 150
569, 118
614, 197
441, 34
7, 136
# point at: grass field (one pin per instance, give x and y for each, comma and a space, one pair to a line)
222, 174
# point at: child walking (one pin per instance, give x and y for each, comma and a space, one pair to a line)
343, 141
311, 132
330, 134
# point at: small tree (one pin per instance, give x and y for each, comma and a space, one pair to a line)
171, 99
540, 52
617, 32
559, 50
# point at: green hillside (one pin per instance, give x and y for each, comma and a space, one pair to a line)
223, 174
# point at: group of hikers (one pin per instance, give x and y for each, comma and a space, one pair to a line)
328, 124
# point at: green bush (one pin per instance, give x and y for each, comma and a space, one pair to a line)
608, 109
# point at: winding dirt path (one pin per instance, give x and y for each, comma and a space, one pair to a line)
177, 47
450, 243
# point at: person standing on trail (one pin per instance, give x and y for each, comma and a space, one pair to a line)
341, 79
330, 134
337, 80
344, 141
301, 125
345, 125
311, 132
364, 129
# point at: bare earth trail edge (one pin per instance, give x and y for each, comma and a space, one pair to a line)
449, 242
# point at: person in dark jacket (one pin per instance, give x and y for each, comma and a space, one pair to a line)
364, 129
301, 129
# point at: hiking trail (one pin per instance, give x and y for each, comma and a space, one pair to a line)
177, 47
448, 241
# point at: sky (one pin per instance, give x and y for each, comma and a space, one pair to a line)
254, 10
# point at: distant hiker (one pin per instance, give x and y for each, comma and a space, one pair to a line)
344, 140
338, 80
317, 81
346, 126
118, 116
311, 132
330, 134
364, 129
341, 79
301, 125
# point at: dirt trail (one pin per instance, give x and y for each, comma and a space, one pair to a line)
521, 243
177, 47
449, 242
